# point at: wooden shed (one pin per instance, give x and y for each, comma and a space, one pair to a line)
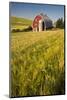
41, 22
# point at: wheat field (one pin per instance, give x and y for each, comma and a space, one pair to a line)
37, 63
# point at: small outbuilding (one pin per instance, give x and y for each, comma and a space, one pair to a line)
41, 22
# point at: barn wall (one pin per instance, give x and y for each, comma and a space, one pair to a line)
35, 29
48, 24
40, 25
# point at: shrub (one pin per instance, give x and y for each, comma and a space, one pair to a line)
29, 28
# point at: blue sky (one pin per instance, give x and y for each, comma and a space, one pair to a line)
29, 10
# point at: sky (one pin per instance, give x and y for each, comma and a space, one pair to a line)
30, 10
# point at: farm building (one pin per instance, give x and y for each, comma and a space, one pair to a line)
41, 22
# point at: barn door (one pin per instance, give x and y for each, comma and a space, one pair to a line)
43, 25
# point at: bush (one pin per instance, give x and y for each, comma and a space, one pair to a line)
29, 28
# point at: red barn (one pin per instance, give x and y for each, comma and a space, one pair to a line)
41, 22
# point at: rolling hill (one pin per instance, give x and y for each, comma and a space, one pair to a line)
20, 21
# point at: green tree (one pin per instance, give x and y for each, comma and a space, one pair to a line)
60, 23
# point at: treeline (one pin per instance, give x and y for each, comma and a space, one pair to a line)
60, 23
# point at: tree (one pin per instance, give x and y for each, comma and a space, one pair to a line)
60, 23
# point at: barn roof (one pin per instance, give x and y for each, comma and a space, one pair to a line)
36, 20
45, 17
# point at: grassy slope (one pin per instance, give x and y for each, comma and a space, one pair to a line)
22, 21
37, 63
